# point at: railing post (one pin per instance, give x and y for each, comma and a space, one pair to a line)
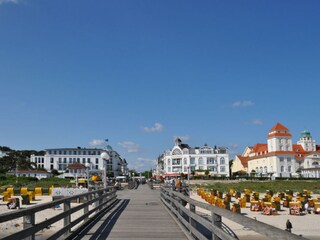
101, 199
86, 208
192, 222
67, 219
216, 221
29, 221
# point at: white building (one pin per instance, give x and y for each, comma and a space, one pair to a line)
184, 159
61, 158
281, 158
31, 173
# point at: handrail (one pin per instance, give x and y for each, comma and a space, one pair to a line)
102, 199
190, 219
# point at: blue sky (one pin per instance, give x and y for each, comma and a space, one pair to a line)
139, 73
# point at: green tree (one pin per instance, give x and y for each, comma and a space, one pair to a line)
55, 172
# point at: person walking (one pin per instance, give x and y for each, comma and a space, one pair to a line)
288, 226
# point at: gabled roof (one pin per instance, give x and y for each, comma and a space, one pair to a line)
244, 160
260, 147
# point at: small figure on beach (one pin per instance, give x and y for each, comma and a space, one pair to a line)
288, 226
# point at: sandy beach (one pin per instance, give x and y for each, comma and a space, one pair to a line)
13, 226
306, 225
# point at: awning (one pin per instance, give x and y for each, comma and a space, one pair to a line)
171, 175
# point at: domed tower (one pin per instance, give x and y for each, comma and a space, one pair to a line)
307, 142
279, 139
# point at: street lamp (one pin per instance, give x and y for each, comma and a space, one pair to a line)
88, 168
189, 179
105, 157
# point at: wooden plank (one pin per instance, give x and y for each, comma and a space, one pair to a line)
143, 217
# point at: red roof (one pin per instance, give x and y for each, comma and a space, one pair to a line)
278, 127
76, 166
260, 147
244, 160
279, 130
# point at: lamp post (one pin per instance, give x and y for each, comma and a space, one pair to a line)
88, 168
105, 157
189, 178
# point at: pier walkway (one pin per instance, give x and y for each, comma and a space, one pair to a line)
139, 214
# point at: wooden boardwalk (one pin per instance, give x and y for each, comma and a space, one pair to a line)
138, 215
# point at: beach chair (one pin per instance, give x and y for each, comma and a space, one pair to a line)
295, 208
38, 191
255, 206
317, 207
23, 191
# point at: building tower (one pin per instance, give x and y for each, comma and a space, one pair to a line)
306, 141
279, 139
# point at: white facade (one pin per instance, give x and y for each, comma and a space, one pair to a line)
184, 159
60, 158
280, 158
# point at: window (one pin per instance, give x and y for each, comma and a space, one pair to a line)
176, 161
212, 169
185, 161
169, 162
289, 159
64, 160
97, 160
54, 152
210, 160
74, 152
60, 161
64, 152
83, 160
94, 153
88, 160
200, 167
169, 169
200, 160
49, 151
51, 160
70, 160
281, 159
282, 169
192, 160
222, 161
222, 168
289, 168
265, 169
176, 152
78, 160
60, 152
185, 169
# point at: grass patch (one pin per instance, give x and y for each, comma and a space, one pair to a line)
275, 186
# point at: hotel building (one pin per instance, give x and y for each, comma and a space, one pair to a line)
61, 158
185, 159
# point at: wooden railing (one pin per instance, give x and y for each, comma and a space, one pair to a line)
197, 227
98, 201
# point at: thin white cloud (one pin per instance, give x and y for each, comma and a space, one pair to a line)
158, 127
97, 143
8, 1
243, 104
143, 164
183, 138
130, 146
234, 146
257, 122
